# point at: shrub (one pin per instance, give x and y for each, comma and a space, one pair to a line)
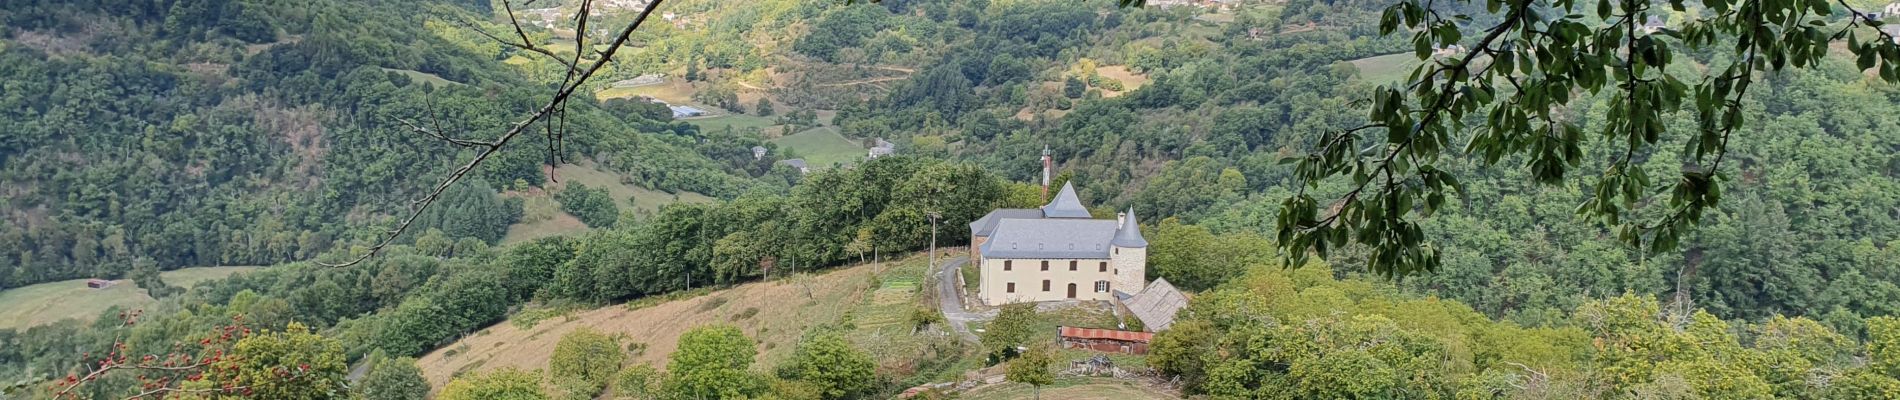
583, 362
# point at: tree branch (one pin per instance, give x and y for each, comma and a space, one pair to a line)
557, 103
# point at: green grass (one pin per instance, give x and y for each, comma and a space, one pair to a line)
881, 324
890, 305
424, 77
1387, 68
972, 277
190, 277
45, 303
822, 147
672, 92
737, 122
542, 216
1070, 389
628, 197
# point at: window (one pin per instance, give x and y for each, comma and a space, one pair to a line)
1071, 265
1045, 285
1101, 286
1045, 265
1118, 250
1012, 287
1104, 267
1005, 265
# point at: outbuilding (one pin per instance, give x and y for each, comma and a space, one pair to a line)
1104, 340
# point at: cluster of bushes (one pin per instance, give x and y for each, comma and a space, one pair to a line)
712, 362
834, 216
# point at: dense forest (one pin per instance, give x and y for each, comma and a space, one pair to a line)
1806, 229
192, 133
139, 136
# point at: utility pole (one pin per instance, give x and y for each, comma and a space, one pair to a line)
934, 216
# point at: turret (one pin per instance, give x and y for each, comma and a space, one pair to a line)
1128, 251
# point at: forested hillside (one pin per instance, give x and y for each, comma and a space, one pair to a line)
213, 132
144, 135
1225, 95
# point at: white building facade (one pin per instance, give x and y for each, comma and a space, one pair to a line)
1058, 253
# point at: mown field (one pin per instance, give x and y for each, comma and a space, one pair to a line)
45, 303
822, 147
424, 77
1387, 68
737, 122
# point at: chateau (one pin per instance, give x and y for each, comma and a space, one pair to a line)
1058, 252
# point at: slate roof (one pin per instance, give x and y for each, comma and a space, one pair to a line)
795, 163
1156, 305
1050, 238
987, 225
1066, 204
1129, 234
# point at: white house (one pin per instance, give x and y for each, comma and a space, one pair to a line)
1057, 252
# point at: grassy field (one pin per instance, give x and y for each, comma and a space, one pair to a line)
53, 301
735, 121
673, 91
424, 77
542, 216
775, 314
1387, 68
1071, 389
1130, 80
822, 147
629, 197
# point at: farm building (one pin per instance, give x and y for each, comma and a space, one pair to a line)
686, 111
1655, 24
882, 148
98, 283
1156, 305
797, 163
1104, 340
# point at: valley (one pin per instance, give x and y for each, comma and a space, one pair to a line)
1162, 199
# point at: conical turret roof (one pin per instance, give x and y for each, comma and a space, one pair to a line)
1129, 234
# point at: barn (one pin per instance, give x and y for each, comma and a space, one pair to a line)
1104, 340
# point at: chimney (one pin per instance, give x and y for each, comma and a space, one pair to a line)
1120, 219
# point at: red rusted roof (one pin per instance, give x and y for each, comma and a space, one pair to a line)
1110, 334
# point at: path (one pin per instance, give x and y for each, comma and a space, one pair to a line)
864, 81
951, 302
